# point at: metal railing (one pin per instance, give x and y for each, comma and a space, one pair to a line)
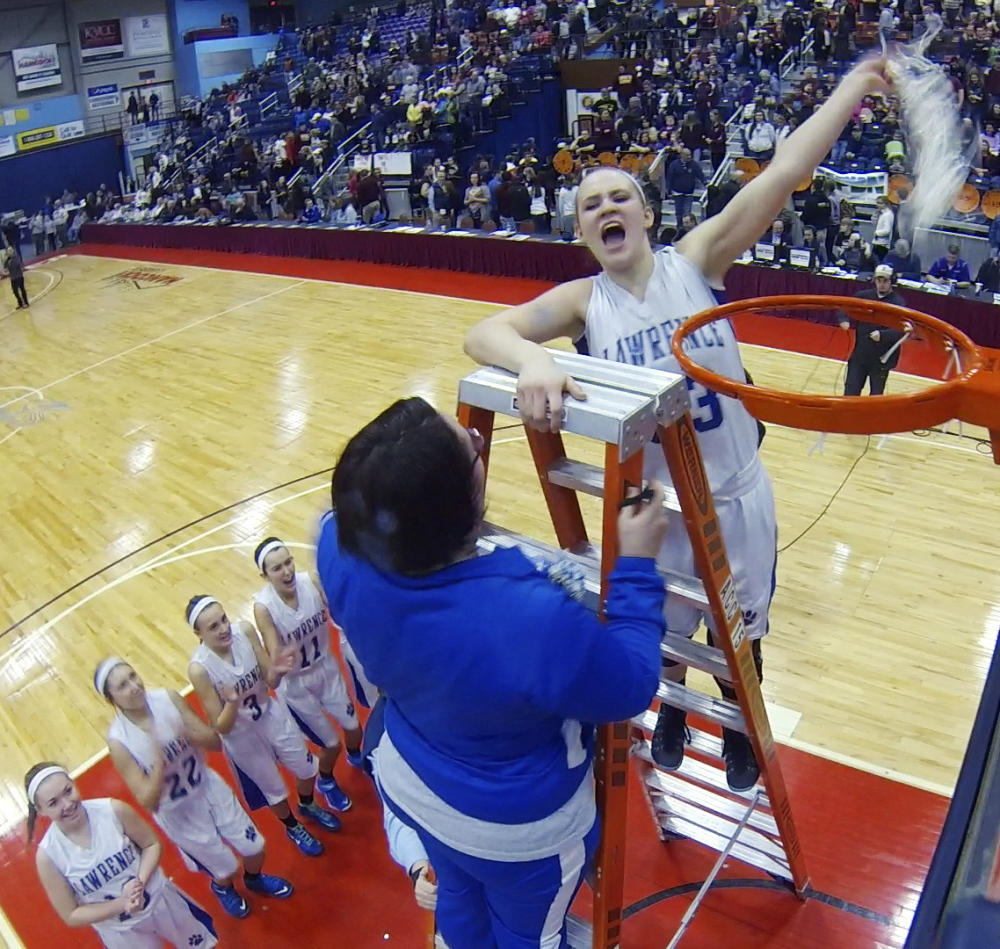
194, 156
794, 57
268, 103
344, 150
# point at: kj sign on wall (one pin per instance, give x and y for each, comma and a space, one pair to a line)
36, 67
101, 40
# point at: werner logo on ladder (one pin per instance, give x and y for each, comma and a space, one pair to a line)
630, 409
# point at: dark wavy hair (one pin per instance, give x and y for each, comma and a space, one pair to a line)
404, 491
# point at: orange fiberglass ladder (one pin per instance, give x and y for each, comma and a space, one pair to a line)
626, 407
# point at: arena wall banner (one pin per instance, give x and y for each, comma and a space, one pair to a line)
51, 135
101, 40
36, 67
7, 146
147, 35
103, 97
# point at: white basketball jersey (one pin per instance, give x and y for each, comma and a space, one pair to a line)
243, 673
183, 763
304, 628
627, 330
99, 873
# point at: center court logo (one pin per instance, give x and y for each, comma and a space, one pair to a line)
142, 278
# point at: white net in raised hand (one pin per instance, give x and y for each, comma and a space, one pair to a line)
933, 129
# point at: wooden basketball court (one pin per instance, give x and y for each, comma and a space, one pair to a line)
157, 419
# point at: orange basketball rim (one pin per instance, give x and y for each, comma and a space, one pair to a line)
971, 394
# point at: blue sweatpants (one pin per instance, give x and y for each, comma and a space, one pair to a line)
485, 904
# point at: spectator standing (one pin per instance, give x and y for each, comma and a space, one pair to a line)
869, 360
15, 270
886, 23
760, 136
715, 136
60, 217
10, 234
885, 222
369, 196
38, 233
692, 136
50, 232
520, 201
988, 277
994, 235
539, 206
566, 206
477, 200
684, 176
817, 210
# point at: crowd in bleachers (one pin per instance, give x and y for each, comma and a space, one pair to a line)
428, 78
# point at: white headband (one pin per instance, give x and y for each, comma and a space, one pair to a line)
36, 781
203, 604
265, 550
104, 670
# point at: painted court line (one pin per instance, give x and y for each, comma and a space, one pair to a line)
860, 765
158, 339
156, 561
37, 296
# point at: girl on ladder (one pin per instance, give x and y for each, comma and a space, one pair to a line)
99, 866
291, 614
629, 313
156, 742
233, 675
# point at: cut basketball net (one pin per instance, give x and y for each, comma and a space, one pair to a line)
933, 131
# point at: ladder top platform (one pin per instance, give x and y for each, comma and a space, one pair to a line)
624, 404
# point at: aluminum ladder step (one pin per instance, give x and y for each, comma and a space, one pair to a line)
713, 792
702, 743
696, 656
665, 788
687, 589
722, 712
623, 407
589, 479
687, 810
717, 839
579, 933
708, 776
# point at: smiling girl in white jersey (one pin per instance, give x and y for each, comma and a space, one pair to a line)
291, 613
157, 744
629, 313
233, 676
99, 866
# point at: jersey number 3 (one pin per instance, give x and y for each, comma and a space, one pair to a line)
709, 414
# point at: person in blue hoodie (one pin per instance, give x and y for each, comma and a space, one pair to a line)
494, 676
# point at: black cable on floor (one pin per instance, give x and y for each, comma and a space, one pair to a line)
829, 504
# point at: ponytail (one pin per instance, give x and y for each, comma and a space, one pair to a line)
28, 778
32, 819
